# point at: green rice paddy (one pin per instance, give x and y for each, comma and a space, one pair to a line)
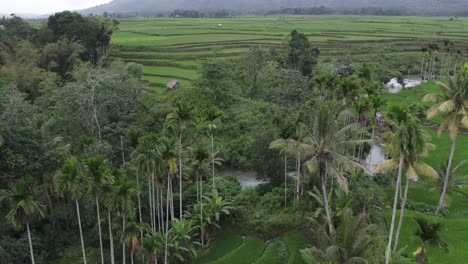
174, 48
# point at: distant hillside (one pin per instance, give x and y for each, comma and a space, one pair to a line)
245, 6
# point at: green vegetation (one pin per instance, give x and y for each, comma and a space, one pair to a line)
394, 43
261, 156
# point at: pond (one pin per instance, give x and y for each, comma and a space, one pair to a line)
412, 81
247, 179
375, 157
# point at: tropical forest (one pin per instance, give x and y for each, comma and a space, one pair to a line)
308, 134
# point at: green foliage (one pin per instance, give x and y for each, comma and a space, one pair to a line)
429, 231
250, 250
349, 244
276, 252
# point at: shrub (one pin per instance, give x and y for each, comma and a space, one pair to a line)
429, 231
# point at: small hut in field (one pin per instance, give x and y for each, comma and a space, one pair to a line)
173, 85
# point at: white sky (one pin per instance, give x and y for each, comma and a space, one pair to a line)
45, 6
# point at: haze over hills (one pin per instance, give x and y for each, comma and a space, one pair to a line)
146, 6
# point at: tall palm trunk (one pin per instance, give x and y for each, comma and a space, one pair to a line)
212, 159
395, 202
123, 243
139, 204
150, 198
167, 220
402, 211
180, 176
30, 244
81, 230
285, 178
447, 177
111, 238
323, 171
98, 212
153, 182
298, 177
201, 214
157, 207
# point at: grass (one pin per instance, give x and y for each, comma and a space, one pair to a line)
226, 241
295, 242
275, 253
455, 235
249, 251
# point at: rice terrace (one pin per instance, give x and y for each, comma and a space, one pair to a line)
234, 132
174, 47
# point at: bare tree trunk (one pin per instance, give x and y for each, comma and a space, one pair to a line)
98, 212
180, 176
122, 149
395, 202
285, 178
81, 231
123, 242
167, 219
111, 238
447, 178
201, 214
212, 159
30, 244
139, 203
157, 206
298, 177
150, 203
323, 172
153, 195
400, 222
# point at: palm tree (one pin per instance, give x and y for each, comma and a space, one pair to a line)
97, 171
349, 244
153, 245
24, 205
121, 199
181, 239
408, 141
212, 115
182, 116
71, 180
130, 235
169, 161
291, 147
326, 145
452, 105
456, 182
146, 159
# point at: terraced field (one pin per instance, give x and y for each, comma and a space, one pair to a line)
174, 48
232, 248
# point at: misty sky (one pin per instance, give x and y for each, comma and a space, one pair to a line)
45, 6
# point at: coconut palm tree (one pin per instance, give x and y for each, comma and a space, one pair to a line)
182, 116
409, 142
456, 182
24, 205
349, 244
98, 172
452, 105
70, 179
326, 145
121, 199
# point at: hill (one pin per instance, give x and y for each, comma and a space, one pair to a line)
435, 7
